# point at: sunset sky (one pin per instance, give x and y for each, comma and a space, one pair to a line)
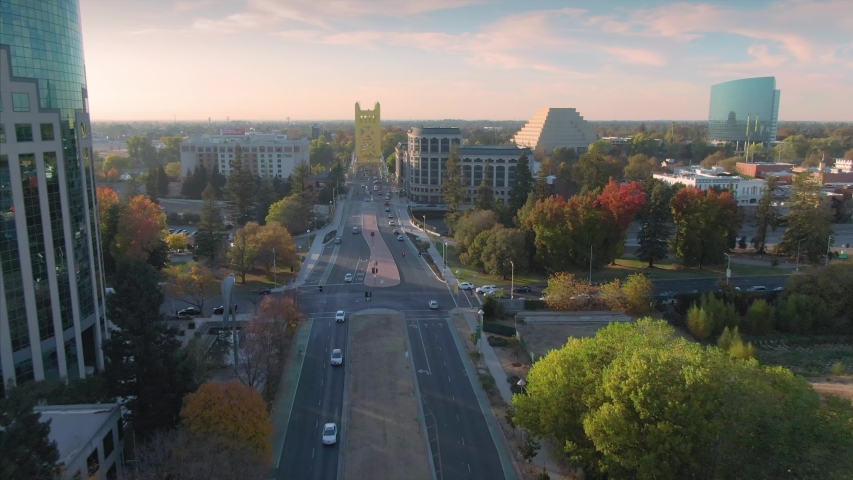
465, 59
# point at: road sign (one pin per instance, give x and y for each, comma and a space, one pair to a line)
728, 272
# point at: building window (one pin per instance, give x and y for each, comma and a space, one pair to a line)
20, 102
92, 462
23, 132
2, 133
84, 131
500, 174
47, 132
445, 145
109, 444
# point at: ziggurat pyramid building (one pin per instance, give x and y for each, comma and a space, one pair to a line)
556, 127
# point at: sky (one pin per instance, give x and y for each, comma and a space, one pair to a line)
460, 59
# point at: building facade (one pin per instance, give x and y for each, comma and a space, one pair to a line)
744, 110
556, 127
761, 169
263, 154
90, 439
51, 271
745, 192
423, 160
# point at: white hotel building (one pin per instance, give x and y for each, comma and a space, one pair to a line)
745, 191
263, 154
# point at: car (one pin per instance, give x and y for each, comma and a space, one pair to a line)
486, 288
581, 297
354, 230
366, 199
262, 291
348, 277
338, 239
391, 223
388, 209
171, 230
757, 288
433, 305
330, 434
523, 289
493, 293
188, 312
396, 231
779, 289
387, 203
221, 309
337, 357
390, 215
466, 286
340, 316
400, 238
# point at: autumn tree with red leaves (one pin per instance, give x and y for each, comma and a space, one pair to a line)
140, 229
621, 203
707, 221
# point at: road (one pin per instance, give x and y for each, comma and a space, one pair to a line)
460, 439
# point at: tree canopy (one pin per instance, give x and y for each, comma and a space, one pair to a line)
26, 451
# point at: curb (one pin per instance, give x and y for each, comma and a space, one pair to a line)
419, 400
287, 399
345, 410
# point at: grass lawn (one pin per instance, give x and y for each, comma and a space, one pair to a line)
664, 270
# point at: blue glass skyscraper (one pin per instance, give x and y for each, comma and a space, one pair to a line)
741, 108
51, 281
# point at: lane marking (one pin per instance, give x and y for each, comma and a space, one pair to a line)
423, 345
463, 440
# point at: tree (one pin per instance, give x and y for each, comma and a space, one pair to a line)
266, 343
809, 222
621, 203
541, 190
171, 151
162, 181
173, 169
244, 249
485, 193
452, 182
766, 216
266, 196
640, 167
594, 170
760, 318
698, 323
706, 220
140, 230
118, 162
152, 183
240, 189
192, 283
208, 237
290, 212
131, 186
523, 184
231, 413
636, 401
800, 313
471, 224
849, 154
644, 145
144, 366
26, 450
832, 285
177, 241
562, 286
504, 245
195, 182
474, 255
141, 151
639, 293
275, 238
655, 230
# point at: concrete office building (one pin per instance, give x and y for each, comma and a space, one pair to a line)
90, 439
263, 154
51, 272
556, 127
424, 159
746, 192
744, 110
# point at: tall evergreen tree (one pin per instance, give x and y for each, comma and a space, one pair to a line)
523, 184
240, 189
144, 364
656, 218
452, 183
151, 184
218, 181
300, 185
766, 215
25, 447
541, 189
162, 181
810, 220
186, 186
210, 225
485, 193
266, 197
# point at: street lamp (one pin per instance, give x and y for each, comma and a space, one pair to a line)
228, 298
521, 383
274, 272
512, 281
728, 268
444, 257
480, 339
798, 255
425, 231
828, 250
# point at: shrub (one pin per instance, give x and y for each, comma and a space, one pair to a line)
534, 304
699, 324
838, 369
740, 350
492, 308
719, 313
497, 341
759, 318
639, 291
801, 313
725, 340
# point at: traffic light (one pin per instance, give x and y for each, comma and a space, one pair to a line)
321, 289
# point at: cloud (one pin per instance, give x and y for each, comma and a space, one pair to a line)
187, 5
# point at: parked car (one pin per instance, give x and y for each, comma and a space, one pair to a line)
757, 288
779, 289
337, 357
189, 312
262, 291
433, 305
486, 289
523, 289
466, 286
330, 434
340, 316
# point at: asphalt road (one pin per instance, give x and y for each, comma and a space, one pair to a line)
459, 436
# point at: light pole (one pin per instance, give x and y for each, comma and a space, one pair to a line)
444, 259
590, 264
274, 272
480, 338
728, 268
798, 255
828, 250
228, 298
512, 281
425, 231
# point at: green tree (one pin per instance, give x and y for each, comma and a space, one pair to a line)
541, 190
474, 255
639, 293
485, 193
118, 162
244, 249
391, 163
644, 145
173, 170
831, 284
698, 323
152, 184
721, 313
266, 196
26, 450
706, 221
810, 221
321, 152
452, 181
503, 246
162, 181
291, 212
470, 225
145, 368
640, 167
523, 184
766, 216
760, 318
195, 182
141, 151
655, 230
171, 151
240, 189
210, 225
594, 170
800, 313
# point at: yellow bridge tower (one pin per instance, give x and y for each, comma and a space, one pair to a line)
368, 140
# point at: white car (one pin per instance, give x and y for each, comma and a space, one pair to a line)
348, 277
400, 238
330, 434
391, 223
337, 357
486, 289
466, 286
340, 316
433, 305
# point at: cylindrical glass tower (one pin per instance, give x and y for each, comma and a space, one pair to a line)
51, 280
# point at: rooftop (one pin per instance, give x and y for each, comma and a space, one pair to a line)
256, 138
435, 131
73, 427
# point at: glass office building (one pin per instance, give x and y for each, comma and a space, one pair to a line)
742, 110
51, 281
